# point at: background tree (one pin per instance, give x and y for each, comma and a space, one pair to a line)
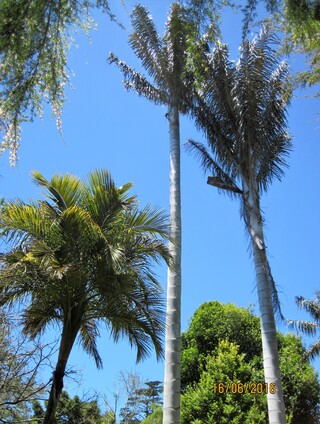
20, 361
155, 417
141, 400
241, 109
35, 36
165, 59
82, 257
301, 24
71, 410
225, 359
307, 327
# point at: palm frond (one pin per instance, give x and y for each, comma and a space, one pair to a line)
210, 165
39, 314
314, 350
148, 45
133, 80
143, 322
306, 327
310, 306
64, 190
88, 335
148, 220
275, 297
21, 222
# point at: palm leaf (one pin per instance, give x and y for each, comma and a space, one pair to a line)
88, 336
64, 191
133, 80
148, 45
310, 306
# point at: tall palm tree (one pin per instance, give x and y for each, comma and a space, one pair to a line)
241, 108
164, 59
84, 257
309, 327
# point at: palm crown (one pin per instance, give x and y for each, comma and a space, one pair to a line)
164, 58
82, 257
242, 109
85, 255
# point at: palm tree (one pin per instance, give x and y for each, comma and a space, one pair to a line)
84, 257
164, 59
307, 327
241, 108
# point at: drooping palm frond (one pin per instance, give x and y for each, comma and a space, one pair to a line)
89, 333
275, 297
133, 80
139, 316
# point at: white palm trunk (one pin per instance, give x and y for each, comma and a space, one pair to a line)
276, 407
172, 382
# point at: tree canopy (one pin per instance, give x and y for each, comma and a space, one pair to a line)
216, 353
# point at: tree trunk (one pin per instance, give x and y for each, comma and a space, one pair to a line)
172, 384
67, 340
276, 407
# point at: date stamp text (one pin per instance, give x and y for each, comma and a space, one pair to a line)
251, 388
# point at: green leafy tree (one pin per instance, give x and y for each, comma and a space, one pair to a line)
203, 401
35, 37
221, 360
241, 108
301, 24
211, 323
309, 327
82, 257
165, 59
155, 417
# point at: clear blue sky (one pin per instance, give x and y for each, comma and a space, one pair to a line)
105, 127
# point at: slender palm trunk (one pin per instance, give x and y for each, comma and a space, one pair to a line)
67, 341
276, 407
172, 384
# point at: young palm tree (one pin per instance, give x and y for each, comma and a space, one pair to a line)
83, 257
164, 59
307, 327
241, 107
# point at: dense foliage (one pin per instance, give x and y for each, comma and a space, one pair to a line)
216, 353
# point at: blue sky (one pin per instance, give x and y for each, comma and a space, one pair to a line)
105, 127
